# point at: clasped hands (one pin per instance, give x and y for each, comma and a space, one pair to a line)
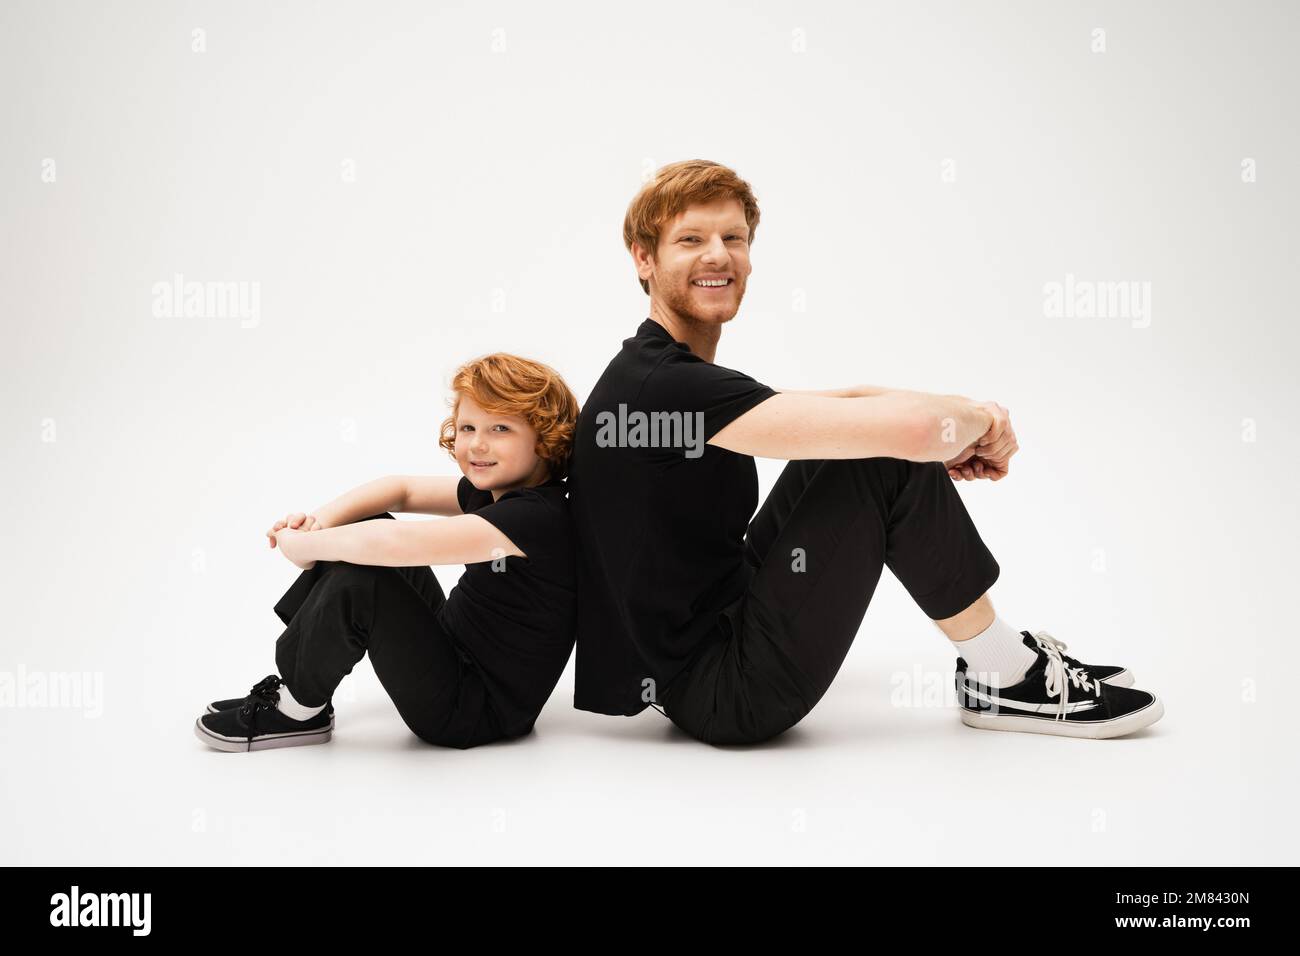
990, 455
288, 534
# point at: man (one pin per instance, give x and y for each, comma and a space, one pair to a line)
737, 627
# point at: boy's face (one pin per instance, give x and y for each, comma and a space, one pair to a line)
705, 242
494, 450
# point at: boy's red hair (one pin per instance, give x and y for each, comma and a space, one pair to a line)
509, 385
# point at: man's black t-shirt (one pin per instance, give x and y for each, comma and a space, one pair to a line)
660, 530
516, 617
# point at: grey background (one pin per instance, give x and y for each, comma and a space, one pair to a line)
1147, 519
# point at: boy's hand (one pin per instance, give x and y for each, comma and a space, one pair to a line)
297, 521
291, 546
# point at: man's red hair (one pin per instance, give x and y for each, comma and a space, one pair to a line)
674, 189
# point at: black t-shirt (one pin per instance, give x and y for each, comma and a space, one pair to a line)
517, 623
660, 530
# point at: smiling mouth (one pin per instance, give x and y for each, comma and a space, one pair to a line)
712, 283
482, 464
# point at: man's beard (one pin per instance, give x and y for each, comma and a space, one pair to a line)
682, 305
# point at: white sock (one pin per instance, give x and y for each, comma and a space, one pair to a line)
997, 655
294, 710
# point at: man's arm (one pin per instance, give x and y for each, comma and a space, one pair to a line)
916, 426
853, 391
464, 539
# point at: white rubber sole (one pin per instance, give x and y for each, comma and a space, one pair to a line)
293, 738
1092, 730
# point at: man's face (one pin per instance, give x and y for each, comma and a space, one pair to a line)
699, 249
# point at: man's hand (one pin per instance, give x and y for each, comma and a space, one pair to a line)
297, 521
990, 456
293, 547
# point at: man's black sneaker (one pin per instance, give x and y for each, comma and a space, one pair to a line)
271, 682
1055, 698
1106, 673
256, 723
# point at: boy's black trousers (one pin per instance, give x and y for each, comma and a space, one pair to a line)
337, 612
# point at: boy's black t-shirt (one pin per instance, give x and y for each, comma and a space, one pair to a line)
660, 530
517, 623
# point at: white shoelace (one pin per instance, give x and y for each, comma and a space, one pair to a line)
1043, 637
1060, 676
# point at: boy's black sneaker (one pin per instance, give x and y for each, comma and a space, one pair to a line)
258, 724
271, 682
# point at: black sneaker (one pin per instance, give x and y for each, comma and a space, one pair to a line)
1106, 673
270, 681
256, 723
1055, 698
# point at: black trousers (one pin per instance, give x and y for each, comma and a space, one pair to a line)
816, 547
337, 611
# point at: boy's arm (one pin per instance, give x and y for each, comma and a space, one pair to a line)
372, 498
464, 539
429, 495
915, 426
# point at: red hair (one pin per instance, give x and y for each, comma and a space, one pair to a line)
674, 189
509, 385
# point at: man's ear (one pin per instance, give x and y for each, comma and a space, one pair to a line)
644, 266
644, 262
